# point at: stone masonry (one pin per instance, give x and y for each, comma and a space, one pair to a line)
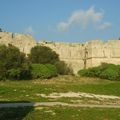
76, 55
23, 41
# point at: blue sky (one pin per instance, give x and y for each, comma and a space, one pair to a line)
62, 20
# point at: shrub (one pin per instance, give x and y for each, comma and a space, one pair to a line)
83, 72
43, 71
91, 72
13, 74
43, 55
62, 68
26, 71
112, 72
52, 70
12, 63
104, 71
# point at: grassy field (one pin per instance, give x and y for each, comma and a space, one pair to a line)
29, 90
59, 113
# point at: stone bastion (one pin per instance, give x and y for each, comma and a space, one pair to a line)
76, 55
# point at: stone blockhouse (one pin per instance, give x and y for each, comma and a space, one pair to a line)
76, 55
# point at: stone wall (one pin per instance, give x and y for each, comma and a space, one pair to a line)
71, 53
77, 56
22, 41
90, 54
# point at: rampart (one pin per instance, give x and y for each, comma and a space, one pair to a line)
76, 55
23, 41
90, 54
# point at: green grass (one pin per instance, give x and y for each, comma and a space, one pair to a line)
59, 113
28, 90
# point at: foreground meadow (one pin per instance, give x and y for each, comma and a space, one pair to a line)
32, 90
59, 113
67, 89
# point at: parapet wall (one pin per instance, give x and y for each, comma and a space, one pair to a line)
77, 56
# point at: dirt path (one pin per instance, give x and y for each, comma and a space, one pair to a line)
79, 95
5, 105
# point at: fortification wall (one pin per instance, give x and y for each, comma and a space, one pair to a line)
108, 52
70, 53
90, 54
77, 56
22, 41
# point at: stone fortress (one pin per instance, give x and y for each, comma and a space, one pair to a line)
76, 55
23, 41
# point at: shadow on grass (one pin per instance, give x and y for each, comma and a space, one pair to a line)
15, 102
15, 110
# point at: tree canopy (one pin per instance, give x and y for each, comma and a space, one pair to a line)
43, 55
13, 63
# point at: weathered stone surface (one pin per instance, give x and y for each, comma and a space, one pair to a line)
90, 54
77, 56
22, 41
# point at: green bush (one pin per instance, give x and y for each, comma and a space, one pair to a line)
104, 71
19, 73
112, 72
43, 55
62, 68
43, 71
26, 71
13, 74
52, 70
13, 63
91, 72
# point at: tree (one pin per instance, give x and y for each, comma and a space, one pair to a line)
43, 55
63, 68
13, 57
13, 63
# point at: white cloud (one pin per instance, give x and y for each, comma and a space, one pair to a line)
29, 30
63, 26
83, 18
105, 25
